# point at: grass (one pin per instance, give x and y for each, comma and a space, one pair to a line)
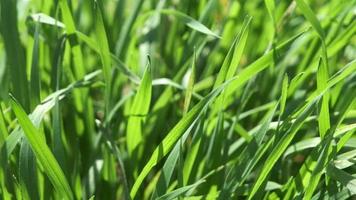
156, 99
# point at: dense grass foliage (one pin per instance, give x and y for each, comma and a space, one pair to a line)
180, 99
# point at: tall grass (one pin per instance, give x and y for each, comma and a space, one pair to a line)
157, 99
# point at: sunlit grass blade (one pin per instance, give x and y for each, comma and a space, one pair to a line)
70, 29
42, 152
190, 22
170, 164
139, 110
302, 145
257, 66
39, 113
45, 19
166, 145
321, 162
176, 193
233, 57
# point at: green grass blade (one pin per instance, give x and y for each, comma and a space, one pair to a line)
104, 55
284, 95
271, 7
343, 177
172, 137
233, 57
346, 71
15, 57
176, 193
4, 135
46, 19
309, 14
257, 66
35, 80
3, 130
280, 148
169, 165
251, 155
39, 113
324, 115
190, 22
192, 155
302, 145
115, 60
28, 171
4, 75
139, 110
190, 86
71, 30
42, 152
323, 159
125, 31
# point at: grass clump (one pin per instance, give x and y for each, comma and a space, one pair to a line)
156, 99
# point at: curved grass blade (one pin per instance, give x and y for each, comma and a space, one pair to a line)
169, 82
257, 66
42, 152
190, 22
46, 19
38, 114
180, 191
302, 145
343, 177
